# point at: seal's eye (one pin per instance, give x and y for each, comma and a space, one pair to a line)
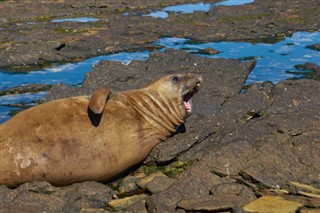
174, 79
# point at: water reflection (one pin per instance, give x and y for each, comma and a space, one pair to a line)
273, 60
190, 8
71, 73
80, 19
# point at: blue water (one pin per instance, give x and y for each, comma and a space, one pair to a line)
80, 19
190, 8
273, 60
71, 73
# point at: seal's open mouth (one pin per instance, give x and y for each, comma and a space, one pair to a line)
187, 99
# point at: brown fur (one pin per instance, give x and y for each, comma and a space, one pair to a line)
70, 140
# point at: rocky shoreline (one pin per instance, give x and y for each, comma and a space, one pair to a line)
242, 149
29, 38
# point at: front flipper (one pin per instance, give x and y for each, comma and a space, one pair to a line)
99, 99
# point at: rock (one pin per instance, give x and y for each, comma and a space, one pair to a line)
310, 202
308, 210
212, 203
314, 47
272, 204
139, 206
125, 202
159, 184
92, 210
304, 189
229, 188
269, 150
128, 185
208, 51
194, 183
32, 88
142, 183
307, 71
42, 197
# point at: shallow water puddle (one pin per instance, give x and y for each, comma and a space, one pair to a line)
71, 73
273, 62
190, 8
80, 19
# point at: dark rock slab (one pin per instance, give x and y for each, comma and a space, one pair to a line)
231, 187
195, 183
276, 147
139, 206
43, 197
212, 203
159, 184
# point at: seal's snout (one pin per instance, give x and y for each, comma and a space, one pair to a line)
197, 84
199, 78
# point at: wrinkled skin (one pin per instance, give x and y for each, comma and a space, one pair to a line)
80, 138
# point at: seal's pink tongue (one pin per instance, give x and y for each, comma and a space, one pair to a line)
187, 105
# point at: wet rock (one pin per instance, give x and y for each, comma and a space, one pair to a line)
212, 203
125, 202
208, 51
309, 71
33, 88
272, 204
314, 47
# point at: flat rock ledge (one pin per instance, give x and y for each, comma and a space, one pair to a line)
242, 149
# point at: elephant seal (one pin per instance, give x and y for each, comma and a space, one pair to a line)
93, 138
